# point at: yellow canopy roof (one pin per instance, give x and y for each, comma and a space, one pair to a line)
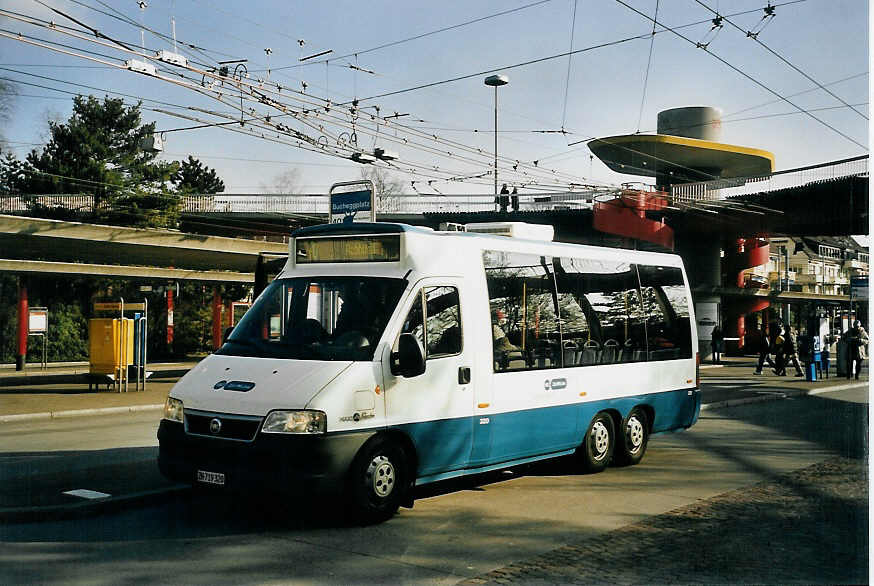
685, 159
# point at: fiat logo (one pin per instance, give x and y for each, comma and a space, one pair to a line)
215, 426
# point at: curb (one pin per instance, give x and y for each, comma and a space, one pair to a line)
779, 396
88, 508
78, 413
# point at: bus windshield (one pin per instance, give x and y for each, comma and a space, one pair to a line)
317, 318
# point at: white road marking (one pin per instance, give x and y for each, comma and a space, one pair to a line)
87, 494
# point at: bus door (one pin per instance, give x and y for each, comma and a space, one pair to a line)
434, 408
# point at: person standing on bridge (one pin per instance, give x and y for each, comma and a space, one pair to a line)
514, 199
503, 200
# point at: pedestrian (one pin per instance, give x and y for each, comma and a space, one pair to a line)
790, 353
764, 352
858, 350
514, 199
504, 199
778, 345
829, 342
716, 342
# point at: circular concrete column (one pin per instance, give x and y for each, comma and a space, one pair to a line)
701, 256
701, 122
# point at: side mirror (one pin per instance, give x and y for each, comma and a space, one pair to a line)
409, 360
227, 334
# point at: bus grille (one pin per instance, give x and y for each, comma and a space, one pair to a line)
233, 427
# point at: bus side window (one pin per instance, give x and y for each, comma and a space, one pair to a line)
526, 331
667, 312
440, 330
414, 323
443, 322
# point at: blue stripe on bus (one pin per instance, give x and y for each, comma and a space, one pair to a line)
446, 446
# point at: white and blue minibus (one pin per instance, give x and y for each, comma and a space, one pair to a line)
386, 356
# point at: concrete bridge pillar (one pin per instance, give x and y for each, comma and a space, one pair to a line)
701, 256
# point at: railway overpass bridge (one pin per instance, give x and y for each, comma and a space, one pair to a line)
697, 220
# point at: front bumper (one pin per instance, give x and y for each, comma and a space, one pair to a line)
270, 463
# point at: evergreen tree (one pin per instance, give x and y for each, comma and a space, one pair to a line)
195, 177
98, 151
14, 175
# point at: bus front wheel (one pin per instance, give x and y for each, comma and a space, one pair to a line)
633, 439
378, 480
597, 448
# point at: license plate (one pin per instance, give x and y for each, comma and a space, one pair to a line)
211, 477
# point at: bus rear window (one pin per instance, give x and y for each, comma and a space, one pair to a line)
383, 248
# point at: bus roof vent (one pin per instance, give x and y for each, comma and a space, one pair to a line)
513, 230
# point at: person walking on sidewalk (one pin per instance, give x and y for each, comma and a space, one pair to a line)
790, 352
764, 351
858, 349
778, 344
716, 343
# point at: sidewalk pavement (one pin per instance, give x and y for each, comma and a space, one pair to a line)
62, 391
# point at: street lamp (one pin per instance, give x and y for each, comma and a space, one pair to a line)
495, 81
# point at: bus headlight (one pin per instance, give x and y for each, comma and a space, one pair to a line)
295, 422
173, 409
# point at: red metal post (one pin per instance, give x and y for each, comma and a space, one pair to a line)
216, 319
170, 316
21, 355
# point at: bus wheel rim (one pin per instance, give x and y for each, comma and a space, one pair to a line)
634, 434
600, 440
381, 476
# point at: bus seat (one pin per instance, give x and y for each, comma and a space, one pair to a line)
591, 353
610, 352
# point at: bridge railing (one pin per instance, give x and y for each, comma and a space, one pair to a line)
317, 204
719, 189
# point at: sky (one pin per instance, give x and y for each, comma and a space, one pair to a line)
618, 79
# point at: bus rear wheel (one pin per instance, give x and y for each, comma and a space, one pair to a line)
633, 439
377, 482
597, 448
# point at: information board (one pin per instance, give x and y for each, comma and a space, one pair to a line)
37, 320
352, 205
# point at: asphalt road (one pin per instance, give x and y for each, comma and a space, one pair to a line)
456, 530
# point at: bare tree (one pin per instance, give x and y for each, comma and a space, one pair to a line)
287, 182
386, 186
8, 93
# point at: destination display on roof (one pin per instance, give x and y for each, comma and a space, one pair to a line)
383, 248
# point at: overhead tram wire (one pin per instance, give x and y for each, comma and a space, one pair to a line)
557, 56
126, 19
736, 112
807, 91
567, 81
420, 36
746, 75
648, 64
504, 68
692, 24
108, 92
524, 173
783, 59
411, 170
207, 93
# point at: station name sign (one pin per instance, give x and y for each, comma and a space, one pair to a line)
352, 206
